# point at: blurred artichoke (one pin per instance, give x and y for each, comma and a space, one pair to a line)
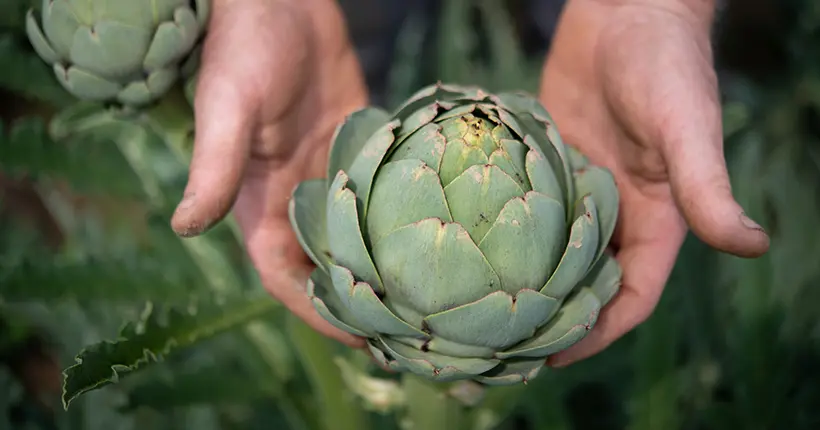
459, 235
126, 51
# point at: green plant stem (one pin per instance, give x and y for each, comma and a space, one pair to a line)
429, 407
339, 408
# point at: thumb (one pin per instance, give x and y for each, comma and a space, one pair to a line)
223, 130
693, 151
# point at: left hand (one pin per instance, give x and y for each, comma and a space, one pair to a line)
276, 79
631, 83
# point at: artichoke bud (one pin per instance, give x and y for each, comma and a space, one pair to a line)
118, 51
459, 235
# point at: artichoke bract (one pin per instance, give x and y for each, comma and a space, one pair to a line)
459, 235
126, 51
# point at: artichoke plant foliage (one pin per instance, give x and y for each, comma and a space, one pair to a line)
459, 235
130, 52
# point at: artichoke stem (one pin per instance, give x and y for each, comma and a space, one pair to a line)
338, 408
429, 407
173, 118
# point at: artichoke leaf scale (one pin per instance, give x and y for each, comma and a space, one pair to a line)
427, 145
420, 98
39, 41
432, 266
542, 173
511, 158
457, 112
82, 10
59, 24
444, 346
433, 93
477, 196
526, 242
363, 170
328, 305
436, 366
419, 119
172, 40
351, 135
347, 247
501, 132
512, 371
512, 123
422, 197
307, 211
476, 132
604, 278
579, 253
405, 311
536, 117
110, 49
498, 320
459, 156
84, 84
203, 13
600, 185
161, 10
366, 307
143, 91
575, 318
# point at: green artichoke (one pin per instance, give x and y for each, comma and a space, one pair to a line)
459, 235
126, 51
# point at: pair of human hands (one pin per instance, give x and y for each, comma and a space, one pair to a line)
630, 83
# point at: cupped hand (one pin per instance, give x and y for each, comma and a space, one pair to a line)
276, 78
632, 85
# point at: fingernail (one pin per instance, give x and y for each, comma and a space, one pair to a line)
749, 223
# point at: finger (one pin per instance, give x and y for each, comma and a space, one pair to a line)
692, 143
652, 236
223, 137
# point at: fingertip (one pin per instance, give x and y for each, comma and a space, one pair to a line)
222, 145
759, 239
719, 221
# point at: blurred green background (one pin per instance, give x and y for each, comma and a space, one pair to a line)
178, 334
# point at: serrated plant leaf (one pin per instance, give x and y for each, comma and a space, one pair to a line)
152, 337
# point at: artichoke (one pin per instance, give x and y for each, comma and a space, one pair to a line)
126, 51
459, 235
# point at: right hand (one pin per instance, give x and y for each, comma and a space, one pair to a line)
631, 83
276, 78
